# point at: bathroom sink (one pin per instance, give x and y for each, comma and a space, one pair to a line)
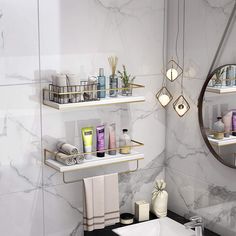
159, 227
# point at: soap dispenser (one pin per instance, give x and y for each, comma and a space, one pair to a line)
159, 199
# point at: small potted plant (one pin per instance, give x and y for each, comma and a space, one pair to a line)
127, 81
217, 81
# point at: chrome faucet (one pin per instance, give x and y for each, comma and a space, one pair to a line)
196, 223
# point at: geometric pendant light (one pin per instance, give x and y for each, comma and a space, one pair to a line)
181, 106
173, 70
164, 96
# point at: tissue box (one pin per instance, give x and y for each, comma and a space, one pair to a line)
142, 209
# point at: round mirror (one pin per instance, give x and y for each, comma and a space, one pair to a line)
217, 113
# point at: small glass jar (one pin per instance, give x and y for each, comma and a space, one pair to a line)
125, 142
113, 80
219, 128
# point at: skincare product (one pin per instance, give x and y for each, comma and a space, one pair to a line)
112, 139
234, 124
73, 82
87, 136
227, 120
67, 148
92, 86
100, 130
125, 142
113, 79
62, 82
142, 209
101, 84
126, 218
219, 128
159, 199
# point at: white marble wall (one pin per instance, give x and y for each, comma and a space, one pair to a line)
197, 182
75, 36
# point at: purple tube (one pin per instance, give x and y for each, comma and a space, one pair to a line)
234, 124
100, 130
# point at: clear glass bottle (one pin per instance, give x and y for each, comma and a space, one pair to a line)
113, 80
125, 142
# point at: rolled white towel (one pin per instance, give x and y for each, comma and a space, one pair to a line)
67, 148
64, 159
79, 158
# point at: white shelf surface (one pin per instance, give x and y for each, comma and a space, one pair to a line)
96, 161
102, 101
222, 89
231, 140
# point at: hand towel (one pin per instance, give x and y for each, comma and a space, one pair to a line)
64, 159
101, 202
67, 148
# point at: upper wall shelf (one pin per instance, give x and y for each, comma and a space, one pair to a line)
221, 90
86, 95
102, 101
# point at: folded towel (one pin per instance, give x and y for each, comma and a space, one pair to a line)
64, 159
79, 158
101, 202
67, 148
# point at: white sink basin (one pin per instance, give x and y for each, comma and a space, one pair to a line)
160, 227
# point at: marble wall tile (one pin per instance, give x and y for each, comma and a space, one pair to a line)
22, 214
198, 183
20, 138
189, 196
19, 47
80, 42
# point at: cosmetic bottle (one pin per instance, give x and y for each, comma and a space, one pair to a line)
101, 84
125, 142
227, 120
219, 128
100, 131
87, 137
234, 124
112, 139
92, 86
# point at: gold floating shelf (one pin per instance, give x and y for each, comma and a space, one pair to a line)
49, 160
50, 94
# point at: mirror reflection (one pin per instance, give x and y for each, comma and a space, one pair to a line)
219, 113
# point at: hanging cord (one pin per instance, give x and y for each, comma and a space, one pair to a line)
222, 38
182, 77
177, 36
163, 44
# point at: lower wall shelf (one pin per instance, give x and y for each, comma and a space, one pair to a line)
95, 162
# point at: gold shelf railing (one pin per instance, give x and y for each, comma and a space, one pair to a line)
52, 154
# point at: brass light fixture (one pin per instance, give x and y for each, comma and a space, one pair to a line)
164, 96
173, 70
181, 106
